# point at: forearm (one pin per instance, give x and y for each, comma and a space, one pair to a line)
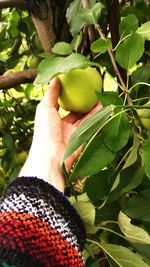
47, 168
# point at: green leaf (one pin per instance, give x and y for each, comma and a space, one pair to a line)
86, 210
130, 51
146, 156
144, 30
116, 133
138, 206
128, 25
94, 158
8, 142
109, 98
143, 250
98, 186
128, 179
123, 256
62, 48
132, 158
87, 129
76, 41
101, 45
91, 15
48, 68
132, 232
73, 18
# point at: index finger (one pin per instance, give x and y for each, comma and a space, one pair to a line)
50, 98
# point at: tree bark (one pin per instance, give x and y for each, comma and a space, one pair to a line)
113, 17
8, 81
12, 3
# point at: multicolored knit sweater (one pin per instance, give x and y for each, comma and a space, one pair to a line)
39, 227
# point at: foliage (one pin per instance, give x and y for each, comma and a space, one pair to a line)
110, 183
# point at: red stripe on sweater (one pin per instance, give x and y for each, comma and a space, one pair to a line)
26, 233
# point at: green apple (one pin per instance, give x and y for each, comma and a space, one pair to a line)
78, 89
144, 115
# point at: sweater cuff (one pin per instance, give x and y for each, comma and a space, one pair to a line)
39, 198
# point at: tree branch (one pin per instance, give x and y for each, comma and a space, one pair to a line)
12, 3
42, 17
10, 80
113, 17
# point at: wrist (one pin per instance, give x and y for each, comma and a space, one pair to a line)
46, 168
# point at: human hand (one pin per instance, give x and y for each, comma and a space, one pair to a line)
51, 136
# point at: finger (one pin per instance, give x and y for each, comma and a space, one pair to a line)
50, 98
72, 117
92, 111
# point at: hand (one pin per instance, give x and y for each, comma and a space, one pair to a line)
51, 136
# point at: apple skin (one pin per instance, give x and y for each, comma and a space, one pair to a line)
78, 88
144, 115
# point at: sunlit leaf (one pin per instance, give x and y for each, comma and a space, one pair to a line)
86, 211
144, 30
91, 15
123, 256
49, 68
133, 233
62, 48
101, 45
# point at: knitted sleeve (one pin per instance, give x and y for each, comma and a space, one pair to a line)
39, 227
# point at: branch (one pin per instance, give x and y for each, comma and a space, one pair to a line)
42, 17
12, 3
8, 81
113, 17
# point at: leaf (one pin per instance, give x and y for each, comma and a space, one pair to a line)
146, 156
123, 256
143, 250
129, 178
130, 51
86, 210
128, 25
109, 98
138, 206
107, 212
94, 158
132, 232
97, 186
101, 45
48, 68
87, 129
62, 48
76, 41
91, 15
116, 133
8, 142
144, 30
73, 18
132, 158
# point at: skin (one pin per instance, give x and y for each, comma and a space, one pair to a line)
51, 136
